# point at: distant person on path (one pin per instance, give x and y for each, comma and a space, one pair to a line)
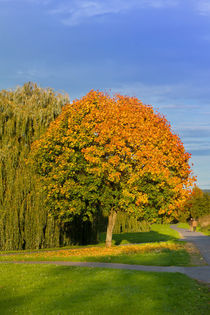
194, 225
191, 224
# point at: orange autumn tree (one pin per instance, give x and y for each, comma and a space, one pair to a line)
112, 154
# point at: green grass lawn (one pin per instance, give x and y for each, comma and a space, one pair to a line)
49, 289
163, 258
205, 230
183, 225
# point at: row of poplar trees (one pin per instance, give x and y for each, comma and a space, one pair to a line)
25, 114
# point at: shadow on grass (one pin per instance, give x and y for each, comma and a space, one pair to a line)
71, 290
138, 237
9, 302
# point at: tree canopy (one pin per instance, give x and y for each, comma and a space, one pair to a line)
111, 154
197, 205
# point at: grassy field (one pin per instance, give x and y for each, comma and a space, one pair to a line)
205, 230
183, 225
49, 289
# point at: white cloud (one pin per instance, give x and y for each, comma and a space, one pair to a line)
163, 96
183, 95
151, 93
28, 1
206, 37
202, 169
32, 72
203, 7
74, 12
77, 11
198, 130
160, 3
36, 2
42, 2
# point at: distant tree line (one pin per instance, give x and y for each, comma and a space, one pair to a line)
197, 205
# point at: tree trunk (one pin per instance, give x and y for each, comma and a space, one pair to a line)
110, 227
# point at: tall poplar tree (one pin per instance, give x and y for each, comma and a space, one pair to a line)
25, 114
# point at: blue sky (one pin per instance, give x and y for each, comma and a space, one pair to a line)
157, 50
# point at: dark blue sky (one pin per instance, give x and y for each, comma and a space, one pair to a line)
157, 50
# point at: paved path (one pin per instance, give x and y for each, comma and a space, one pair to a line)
201, 241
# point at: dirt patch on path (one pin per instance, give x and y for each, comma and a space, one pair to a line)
196, 258
201, 241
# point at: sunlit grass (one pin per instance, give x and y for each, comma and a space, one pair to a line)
204, 230
161, 254
182, 225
